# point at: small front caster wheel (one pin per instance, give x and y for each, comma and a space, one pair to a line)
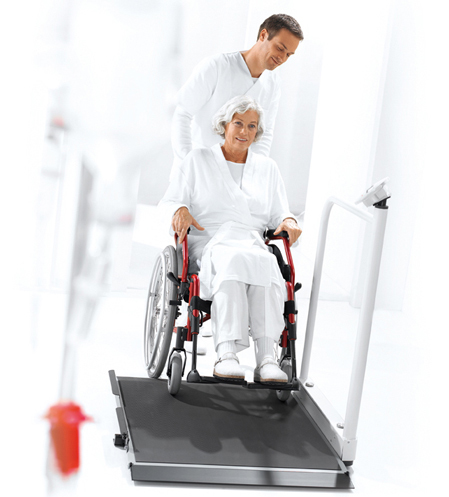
174, 378
286, 366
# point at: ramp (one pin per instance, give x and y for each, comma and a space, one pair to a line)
222, 434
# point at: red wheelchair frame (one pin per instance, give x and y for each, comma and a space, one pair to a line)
188, 289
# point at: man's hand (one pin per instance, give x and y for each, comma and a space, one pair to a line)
181, 222
289, 225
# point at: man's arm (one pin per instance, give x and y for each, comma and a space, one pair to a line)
195, 93
181, 134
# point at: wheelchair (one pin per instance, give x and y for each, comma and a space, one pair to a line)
174, 280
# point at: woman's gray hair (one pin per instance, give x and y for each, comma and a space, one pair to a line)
237, 105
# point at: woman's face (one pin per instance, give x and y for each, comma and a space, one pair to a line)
241, 131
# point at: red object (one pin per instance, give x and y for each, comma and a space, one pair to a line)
185, 257
65, 419
194, 292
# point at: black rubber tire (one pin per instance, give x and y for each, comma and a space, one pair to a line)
174, 381
160, 315
286, 366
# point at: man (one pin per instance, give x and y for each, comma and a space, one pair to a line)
219, 78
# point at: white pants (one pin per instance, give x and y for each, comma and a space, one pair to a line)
237, 306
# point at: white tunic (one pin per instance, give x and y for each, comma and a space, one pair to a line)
213, 82
236, 170
231, 247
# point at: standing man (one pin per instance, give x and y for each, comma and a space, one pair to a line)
219, 78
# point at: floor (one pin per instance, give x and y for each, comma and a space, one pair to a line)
390, 450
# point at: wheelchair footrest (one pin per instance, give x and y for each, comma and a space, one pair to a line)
273, 386
213, 379
195, 377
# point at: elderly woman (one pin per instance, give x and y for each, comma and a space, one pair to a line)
229, 196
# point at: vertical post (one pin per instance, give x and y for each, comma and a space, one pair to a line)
317, 272
365, 322
313, 303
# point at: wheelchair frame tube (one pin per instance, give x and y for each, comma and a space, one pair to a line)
288, 253
192, 334
290, 285
185, 257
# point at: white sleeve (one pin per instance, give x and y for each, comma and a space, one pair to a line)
263, 146
178, 195
195, 93
181, 134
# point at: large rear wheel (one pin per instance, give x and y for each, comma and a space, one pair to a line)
160, 315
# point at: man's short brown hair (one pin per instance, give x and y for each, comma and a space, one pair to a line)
276, 22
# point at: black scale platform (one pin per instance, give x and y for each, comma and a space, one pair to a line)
222, 434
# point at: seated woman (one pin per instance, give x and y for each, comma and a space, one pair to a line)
229, 196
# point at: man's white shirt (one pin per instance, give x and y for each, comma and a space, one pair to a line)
213, 82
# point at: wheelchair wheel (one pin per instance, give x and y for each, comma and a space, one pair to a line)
160, 315
174, 381
286, 366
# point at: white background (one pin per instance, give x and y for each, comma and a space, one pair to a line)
364, 97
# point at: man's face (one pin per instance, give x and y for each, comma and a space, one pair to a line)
276, 51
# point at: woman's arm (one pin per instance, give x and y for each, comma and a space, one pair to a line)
177, 200
181, 222
281, 215
291, 227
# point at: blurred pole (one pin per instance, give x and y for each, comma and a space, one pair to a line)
98, 214
65, 417
120, 89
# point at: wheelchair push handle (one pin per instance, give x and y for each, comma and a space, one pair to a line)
271, 236
176, 236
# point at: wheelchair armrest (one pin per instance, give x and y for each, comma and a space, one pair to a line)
269, 234
287, 270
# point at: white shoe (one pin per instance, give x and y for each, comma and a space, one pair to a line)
200, 349
269, 371
228, 366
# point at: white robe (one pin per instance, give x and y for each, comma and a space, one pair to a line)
231, 246
213, 82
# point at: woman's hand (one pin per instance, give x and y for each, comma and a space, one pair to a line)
290, 226
181, 222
